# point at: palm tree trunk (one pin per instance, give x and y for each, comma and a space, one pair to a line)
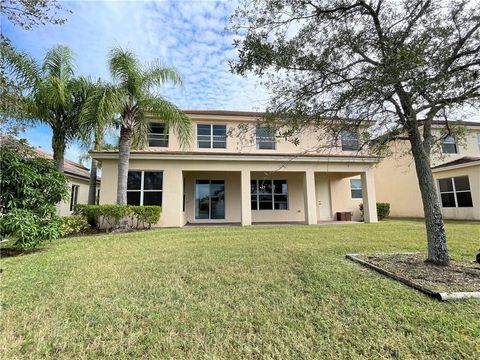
436, 236
58, 146
92, 186
123, 159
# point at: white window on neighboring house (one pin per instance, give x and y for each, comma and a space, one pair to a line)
356, 188
449, 145
74, 196
349, 139
265, 138
455, 192
210, 136
158, 135
478, 140
144, 187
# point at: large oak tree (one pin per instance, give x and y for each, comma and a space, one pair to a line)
401, 64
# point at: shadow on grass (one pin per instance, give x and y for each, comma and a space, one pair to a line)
11, 251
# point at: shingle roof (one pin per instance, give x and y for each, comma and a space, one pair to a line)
70, 167
461, 161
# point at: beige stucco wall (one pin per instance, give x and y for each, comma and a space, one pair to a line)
229, 170
82, 195
396, 178
466, 213
241, 138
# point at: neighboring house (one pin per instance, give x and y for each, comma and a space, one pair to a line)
230, 175
78, 183
456, 171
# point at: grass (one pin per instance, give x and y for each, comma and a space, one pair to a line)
231, 292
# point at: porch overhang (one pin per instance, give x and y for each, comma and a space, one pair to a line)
212, 156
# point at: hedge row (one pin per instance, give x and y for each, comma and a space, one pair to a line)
108, 216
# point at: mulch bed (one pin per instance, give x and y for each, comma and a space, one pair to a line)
459, 276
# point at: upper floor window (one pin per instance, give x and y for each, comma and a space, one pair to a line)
144, 188
349, 140
157, 135
449, 146
455, 192
265, 138
269, 194
211, 136
356, 188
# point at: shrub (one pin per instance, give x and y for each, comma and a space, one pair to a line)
75, 224
145, 215
29, 229
108, 216
383, 210
30, 186
104, 216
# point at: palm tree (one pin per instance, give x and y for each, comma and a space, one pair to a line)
54, 95
102, 97
129, 100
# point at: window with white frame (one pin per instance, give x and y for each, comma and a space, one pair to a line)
157, 135
455, 192
145, 188
349, 139
74, 196
269, 194
478, 140
211, 136
265, 138
449, 145
356, 188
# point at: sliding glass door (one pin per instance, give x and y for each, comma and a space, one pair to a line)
209, 199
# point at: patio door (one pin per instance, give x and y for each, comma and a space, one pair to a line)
209, 199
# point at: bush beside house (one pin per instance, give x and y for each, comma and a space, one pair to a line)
383, 210
106, 217
31, 188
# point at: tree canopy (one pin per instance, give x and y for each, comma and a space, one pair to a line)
400, 64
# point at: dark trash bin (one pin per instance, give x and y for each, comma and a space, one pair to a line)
344, 216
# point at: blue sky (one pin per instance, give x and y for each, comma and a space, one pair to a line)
189, 35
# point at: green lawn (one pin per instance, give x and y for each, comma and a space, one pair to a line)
231, 292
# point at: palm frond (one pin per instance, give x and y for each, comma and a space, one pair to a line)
126, 70
158, 75
59, 62
101, 108
19, 66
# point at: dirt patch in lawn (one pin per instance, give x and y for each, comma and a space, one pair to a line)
458, 276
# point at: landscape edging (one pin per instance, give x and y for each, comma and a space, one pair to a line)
442, 296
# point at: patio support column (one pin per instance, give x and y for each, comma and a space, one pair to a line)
246, 198
369, 198
310, 198
172, 211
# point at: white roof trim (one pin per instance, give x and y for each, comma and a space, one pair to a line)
457, 166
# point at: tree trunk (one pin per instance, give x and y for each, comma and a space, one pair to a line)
92, 186
58, 146
436, 236
123, 158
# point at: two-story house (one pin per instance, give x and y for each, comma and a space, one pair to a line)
456, 169
247, 176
